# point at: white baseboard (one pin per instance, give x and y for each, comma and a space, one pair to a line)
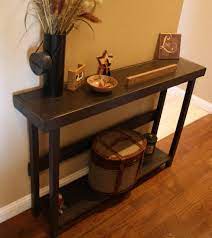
203, 104
24, 203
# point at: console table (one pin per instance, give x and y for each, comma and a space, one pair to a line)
49, 115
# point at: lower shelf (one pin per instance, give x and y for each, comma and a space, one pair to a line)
81, 201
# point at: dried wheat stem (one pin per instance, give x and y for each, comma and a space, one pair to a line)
60, 16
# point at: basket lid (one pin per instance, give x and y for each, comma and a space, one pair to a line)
119, 145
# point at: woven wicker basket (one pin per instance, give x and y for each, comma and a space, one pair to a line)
117, 158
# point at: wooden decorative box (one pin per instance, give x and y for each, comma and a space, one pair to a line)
117, 161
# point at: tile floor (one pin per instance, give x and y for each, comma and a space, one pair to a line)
171, 113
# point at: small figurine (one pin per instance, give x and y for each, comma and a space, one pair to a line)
105, 62
76, 78
61, 204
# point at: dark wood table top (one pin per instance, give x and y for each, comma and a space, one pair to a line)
52, 113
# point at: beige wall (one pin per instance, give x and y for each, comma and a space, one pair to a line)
195, 26
129, 31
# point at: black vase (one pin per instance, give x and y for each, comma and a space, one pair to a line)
54, 45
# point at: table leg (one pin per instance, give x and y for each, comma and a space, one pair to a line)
181, 121
54, 155
34, 168
159, 111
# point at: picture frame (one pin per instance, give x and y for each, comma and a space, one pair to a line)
168, 46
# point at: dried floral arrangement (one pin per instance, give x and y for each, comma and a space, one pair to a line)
62, 16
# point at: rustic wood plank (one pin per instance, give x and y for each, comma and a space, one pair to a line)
54, 155
34, 168
181, 121
159, 111
151, 74
51, 113
81, 146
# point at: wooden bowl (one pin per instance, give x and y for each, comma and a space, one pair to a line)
103, 85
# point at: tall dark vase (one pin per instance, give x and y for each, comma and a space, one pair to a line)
54, 45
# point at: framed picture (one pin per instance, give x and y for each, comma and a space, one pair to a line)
168, 46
